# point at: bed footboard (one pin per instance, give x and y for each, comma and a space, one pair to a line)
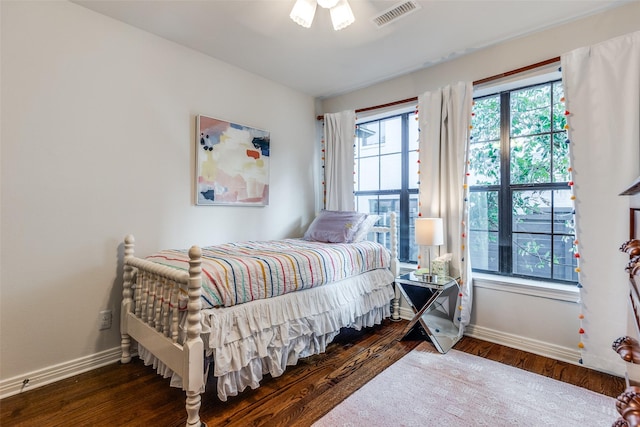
150, 316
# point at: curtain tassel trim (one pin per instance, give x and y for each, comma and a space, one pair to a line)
576, 252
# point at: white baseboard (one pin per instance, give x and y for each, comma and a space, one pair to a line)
563, 354
41, 377
541, 348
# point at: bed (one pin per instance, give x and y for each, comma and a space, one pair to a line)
191, 319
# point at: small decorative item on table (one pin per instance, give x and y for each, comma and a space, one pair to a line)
440, 265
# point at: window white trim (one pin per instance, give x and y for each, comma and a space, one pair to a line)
536, 288
406, 267
383, 113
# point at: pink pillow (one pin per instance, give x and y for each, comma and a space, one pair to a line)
334, 226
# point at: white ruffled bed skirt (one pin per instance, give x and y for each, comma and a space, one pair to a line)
263, 337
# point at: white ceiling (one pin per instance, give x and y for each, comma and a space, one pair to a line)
258, 36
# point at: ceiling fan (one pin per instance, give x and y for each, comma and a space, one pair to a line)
341, 15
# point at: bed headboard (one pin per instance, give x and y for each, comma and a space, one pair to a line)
390, 232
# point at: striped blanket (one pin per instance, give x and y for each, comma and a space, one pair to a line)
235, 273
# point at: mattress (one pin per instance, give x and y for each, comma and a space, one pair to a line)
236, 273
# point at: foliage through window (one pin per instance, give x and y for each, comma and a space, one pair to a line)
386, 170
520, 211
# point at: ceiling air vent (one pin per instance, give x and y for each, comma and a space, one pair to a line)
394, 13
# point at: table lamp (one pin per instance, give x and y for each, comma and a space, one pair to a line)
429, 232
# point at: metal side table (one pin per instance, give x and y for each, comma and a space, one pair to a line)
433, 301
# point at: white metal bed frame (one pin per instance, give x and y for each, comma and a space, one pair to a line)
151, 317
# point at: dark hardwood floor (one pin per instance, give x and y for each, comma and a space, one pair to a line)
133, 395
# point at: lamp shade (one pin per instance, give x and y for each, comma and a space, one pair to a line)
341, 15
429, 231
303, 12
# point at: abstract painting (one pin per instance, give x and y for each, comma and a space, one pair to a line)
232, 164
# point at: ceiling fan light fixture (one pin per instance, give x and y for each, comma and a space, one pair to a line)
303, 12
341, 15
327, 4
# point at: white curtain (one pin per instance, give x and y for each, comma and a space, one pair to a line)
339, 137
602, 91
444, 122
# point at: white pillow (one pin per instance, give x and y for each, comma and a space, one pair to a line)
365, 227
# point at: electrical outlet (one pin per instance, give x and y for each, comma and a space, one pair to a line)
105, 319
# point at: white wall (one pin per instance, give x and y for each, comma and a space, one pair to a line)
98, 141
539, 324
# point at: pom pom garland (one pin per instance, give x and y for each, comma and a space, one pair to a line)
576, 252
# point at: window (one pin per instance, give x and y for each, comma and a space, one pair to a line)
386, 174
520, 205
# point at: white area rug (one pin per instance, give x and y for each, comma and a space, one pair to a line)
426, 388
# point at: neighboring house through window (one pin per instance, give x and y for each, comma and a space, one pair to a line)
386, 173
